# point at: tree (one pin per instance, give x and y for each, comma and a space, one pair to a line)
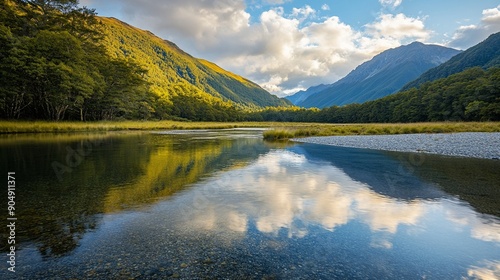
54, 67
59, 76
34, 16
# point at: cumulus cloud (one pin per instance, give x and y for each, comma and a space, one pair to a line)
303, 13
275, 2
469, 35
390, 31
398, 27
203, 23
391, 3
293, 54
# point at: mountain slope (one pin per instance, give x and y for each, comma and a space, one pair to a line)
485, 55
173, 72
302, 95
385, 74
471, 95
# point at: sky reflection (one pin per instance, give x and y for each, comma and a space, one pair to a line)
285, 190
232, 207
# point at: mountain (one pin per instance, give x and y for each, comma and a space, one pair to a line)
471, 95
302, 95
171, 71
485, 55
383, 75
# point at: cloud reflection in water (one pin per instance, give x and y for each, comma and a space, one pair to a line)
284, 190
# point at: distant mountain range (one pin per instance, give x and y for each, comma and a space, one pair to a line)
485, 55
171, 71
302, 95
383, 75
465, 88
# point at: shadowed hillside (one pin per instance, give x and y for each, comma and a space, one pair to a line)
485, 55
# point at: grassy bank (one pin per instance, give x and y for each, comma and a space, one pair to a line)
44, 126
287, 132
279, 131
7, 127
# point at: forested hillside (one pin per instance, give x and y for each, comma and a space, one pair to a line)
485, 55
173, 72
60, 61
472, 95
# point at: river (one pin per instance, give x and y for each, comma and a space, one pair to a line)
225, 204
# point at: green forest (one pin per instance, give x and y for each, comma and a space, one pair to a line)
471, 95
60, 61
53, 67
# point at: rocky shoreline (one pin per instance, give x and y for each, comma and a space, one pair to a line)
468, 144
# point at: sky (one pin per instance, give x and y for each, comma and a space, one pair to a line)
289, 45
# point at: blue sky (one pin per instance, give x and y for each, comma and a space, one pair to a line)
289, 45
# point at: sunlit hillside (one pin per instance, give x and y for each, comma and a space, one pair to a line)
173, 72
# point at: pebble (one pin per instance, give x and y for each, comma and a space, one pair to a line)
467, 144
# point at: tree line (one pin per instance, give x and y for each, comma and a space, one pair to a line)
472, 95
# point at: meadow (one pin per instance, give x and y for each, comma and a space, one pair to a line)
276, 130
291, 131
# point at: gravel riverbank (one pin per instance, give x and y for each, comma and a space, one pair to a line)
469, 144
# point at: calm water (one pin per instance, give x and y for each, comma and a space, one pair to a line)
225, 204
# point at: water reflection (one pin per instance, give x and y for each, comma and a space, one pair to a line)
490, 270
288, 191
225, 204
68, 181
303, 188
292, 189
476, 181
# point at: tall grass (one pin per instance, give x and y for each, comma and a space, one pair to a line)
45, 126
279, 131
282, 133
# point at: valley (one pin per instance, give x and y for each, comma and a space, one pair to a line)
245, 139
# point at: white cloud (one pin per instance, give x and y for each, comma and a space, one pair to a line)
275, 2
398, 27
469, 35
325, 7
391, 3
303, 13
490, 271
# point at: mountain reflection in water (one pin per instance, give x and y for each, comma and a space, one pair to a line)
226, 204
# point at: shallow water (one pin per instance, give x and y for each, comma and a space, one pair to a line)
225, 204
